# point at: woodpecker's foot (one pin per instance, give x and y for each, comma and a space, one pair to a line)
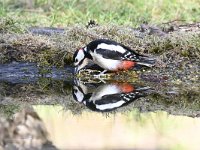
88, 73
95, 74
101, 74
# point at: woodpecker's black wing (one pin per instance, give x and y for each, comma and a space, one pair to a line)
115, 55
106, 103
93, 45
134, 56
113, 50
120, 96
117, 51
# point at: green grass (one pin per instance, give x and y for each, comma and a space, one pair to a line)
127, 12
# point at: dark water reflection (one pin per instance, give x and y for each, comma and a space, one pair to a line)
66, 113
106, 97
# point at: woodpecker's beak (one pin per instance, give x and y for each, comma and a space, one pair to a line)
76, 70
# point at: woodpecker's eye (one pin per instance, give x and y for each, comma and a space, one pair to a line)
76, 60
75, 90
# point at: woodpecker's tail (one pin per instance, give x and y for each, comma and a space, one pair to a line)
147, 61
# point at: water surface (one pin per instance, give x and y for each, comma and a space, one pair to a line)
147, 113
92, 130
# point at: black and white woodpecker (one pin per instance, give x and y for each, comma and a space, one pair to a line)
110, 55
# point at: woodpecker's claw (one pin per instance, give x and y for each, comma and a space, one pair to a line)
101, 74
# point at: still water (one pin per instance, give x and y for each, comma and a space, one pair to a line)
69, 113
92, 130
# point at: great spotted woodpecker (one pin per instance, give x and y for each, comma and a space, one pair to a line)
110, 55
107, 97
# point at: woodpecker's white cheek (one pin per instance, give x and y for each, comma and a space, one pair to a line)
75, 64
80, 56
110, 47
83, 88
79, 95
83, 64
85, 49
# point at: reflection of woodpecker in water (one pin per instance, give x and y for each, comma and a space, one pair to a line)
107, 97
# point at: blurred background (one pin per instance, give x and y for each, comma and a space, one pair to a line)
127, 12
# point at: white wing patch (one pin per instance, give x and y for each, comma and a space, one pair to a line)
110, 47
110, 106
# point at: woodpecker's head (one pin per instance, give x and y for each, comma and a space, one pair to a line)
79, 59
78, 94
79, 90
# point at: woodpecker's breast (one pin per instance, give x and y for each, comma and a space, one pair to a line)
105, 90
108, 64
